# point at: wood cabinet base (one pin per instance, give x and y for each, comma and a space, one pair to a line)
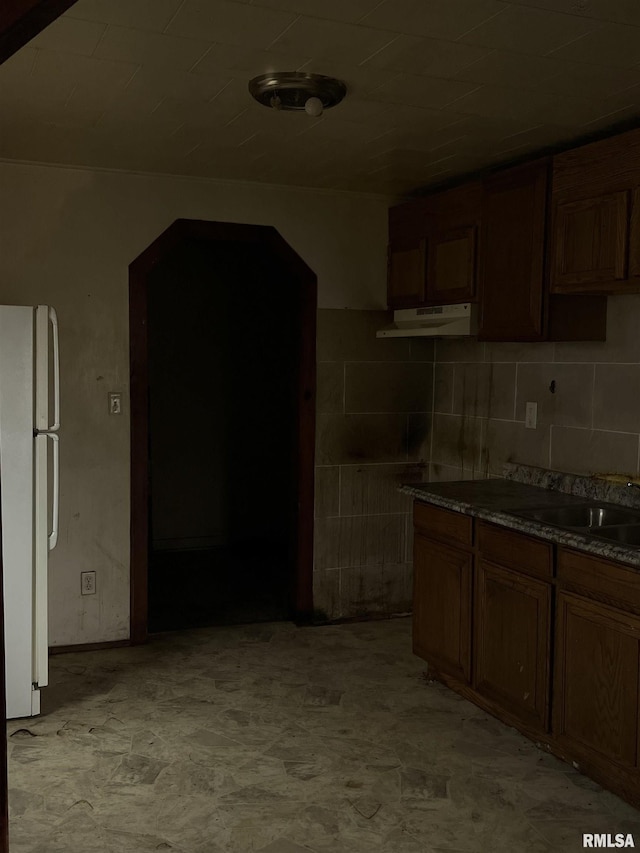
620, 780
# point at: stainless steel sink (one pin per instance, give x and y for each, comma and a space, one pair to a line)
584, 516
624, 534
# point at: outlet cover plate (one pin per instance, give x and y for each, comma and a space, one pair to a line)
88, 583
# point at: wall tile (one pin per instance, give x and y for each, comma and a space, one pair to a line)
484, 390
397, 588
596, 386
419, 437
439, 473
572, 402
456, 441
616, 404
422, 349
373, 489
330, 387
344, 335
511, 441
362, 590
459, 350
363, 455
586, 451
500, 352
327, 491
376, 589
326, 593
389, 387
359, 541
348, 439
443, 390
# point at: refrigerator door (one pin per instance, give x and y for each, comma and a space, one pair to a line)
47, 370
47, 422
16, 460
40, 674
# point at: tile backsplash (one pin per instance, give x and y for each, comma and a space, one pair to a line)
588, 397
373, 425
408, 410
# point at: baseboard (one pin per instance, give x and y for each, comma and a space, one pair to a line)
89, 647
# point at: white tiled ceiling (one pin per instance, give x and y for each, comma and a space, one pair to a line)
436, 88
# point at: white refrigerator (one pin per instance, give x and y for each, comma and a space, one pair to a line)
30, 483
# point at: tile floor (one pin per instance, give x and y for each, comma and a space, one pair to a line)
280, 739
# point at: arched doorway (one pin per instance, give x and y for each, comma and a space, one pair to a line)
271, 274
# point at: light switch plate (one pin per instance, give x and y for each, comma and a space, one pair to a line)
531, 416
115, 403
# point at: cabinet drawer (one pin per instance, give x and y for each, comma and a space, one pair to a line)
516, 551
443, 524
600, 579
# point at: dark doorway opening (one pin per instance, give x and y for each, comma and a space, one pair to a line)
222, 390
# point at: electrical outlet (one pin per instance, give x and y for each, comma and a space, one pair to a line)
115, 403
88, 583
531, 416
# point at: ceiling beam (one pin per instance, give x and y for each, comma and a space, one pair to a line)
22, 20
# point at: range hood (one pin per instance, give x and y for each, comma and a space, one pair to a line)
438, 322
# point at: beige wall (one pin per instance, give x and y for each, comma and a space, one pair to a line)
67, 237
373, 433
591, 424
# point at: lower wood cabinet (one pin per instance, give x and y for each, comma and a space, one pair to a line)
545, 638
597, 660
442, 578
512, 635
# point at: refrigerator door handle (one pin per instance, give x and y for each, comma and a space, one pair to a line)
53, 319
53, 536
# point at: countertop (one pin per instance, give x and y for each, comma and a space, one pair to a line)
496, 500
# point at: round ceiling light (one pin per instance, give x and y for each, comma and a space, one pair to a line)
294, 90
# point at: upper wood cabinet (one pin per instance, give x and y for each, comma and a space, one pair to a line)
433, 244
406, 275
407, 256
513, 253
595, 234
451, 274
592, 244
453, 221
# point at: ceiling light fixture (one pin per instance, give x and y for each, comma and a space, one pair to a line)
294, 90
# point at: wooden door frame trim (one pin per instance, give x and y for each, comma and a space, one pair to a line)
22, 20
139, 273
4, 785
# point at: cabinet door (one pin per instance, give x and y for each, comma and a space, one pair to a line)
512, 255
406, 275
442, 607
597, 656
591, 242
451, 275
512, 642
